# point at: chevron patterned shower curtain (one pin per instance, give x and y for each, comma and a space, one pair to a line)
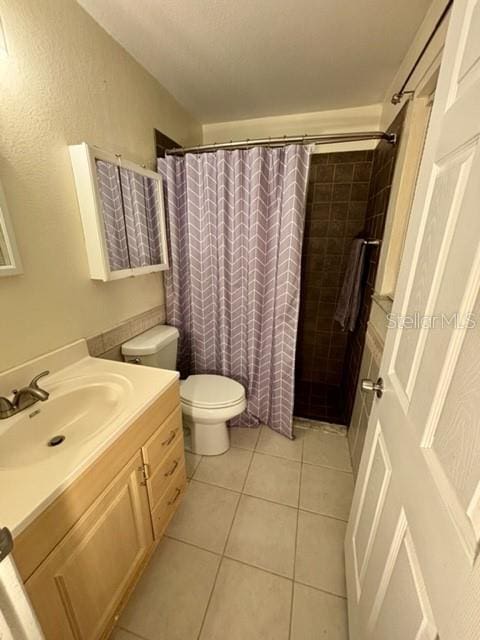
235, 222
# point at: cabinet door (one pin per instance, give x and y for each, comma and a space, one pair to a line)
77, 589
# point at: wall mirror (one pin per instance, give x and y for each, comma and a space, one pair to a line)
10, 263
123, 215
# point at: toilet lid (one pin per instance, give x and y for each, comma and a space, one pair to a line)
209, 391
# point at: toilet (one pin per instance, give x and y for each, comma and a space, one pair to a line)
208, 401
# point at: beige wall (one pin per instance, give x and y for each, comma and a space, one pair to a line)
366, 118
389, 111
411, 145
65, 80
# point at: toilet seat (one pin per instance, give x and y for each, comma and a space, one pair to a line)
207, 391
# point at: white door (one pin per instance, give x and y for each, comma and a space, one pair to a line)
414, 531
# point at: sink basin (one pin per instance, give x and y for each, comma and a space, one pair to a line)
77, 410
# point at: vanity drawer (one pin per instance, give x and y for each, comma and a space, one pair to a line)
158, 482
169, 502
164, 440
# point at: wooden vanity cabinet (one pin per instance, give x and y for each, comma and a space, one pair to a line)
79, 587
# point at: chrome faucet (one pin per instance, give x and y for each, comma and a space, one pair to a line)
24, 397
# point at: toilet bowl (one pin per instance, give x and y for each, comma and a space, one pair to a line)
208, 401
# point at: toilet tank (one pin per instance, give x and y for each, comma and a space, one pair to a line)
156, 347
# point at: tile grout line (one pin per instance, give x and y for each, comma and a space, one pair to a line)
191, 544
330, 593
324, 515
250, 495
324, 466
302, 464
283, 504
252, 566
239, 494
210, 596
222, 555
280, 504
295, 543
131, 633
274, 455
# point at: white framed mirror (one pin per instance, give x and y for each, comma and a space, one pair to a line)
10, 263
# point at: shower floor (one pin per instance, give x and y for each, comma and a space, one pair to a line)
256, 548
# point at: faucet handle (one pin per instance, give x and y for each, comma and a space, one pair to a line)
6, 408
35, 380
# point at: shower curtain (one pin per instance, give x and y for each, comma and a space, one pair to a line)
235, 222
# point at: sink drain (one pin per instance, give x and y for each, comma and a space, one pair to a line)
55, 441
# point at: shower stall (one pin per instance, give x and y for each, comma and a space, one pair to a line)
347, 197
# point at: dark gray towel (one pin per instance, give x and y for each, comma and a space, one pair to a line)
348, 304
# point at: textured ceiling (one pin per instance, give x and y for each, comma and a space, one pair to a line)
234, 59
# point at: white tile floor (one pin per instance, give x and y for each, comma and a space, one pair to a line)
256, 548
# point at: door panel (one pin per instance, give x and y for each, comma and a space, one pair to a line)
371, 506
452, 299
412, 540
469, 53
402, 581
420, 298
459, 423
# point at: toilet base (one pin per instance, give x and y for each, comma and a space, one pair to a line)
208, 439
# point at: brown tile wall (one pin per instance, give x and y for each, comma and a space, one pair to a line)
382, 174
336, 209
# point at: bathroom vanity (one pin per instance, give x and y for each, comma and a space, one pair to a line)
86, 520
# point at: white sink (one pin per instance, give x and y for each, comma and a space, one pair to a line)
92, 402
77, 409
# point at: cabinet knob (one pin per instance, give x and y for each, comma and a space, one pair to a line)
177, 493
174, 466
170, 439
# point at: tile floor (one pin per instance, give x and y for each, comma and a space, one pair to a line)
255, 550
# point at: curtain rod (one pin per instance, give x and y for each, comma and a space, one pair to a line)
398, 96
326, 138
